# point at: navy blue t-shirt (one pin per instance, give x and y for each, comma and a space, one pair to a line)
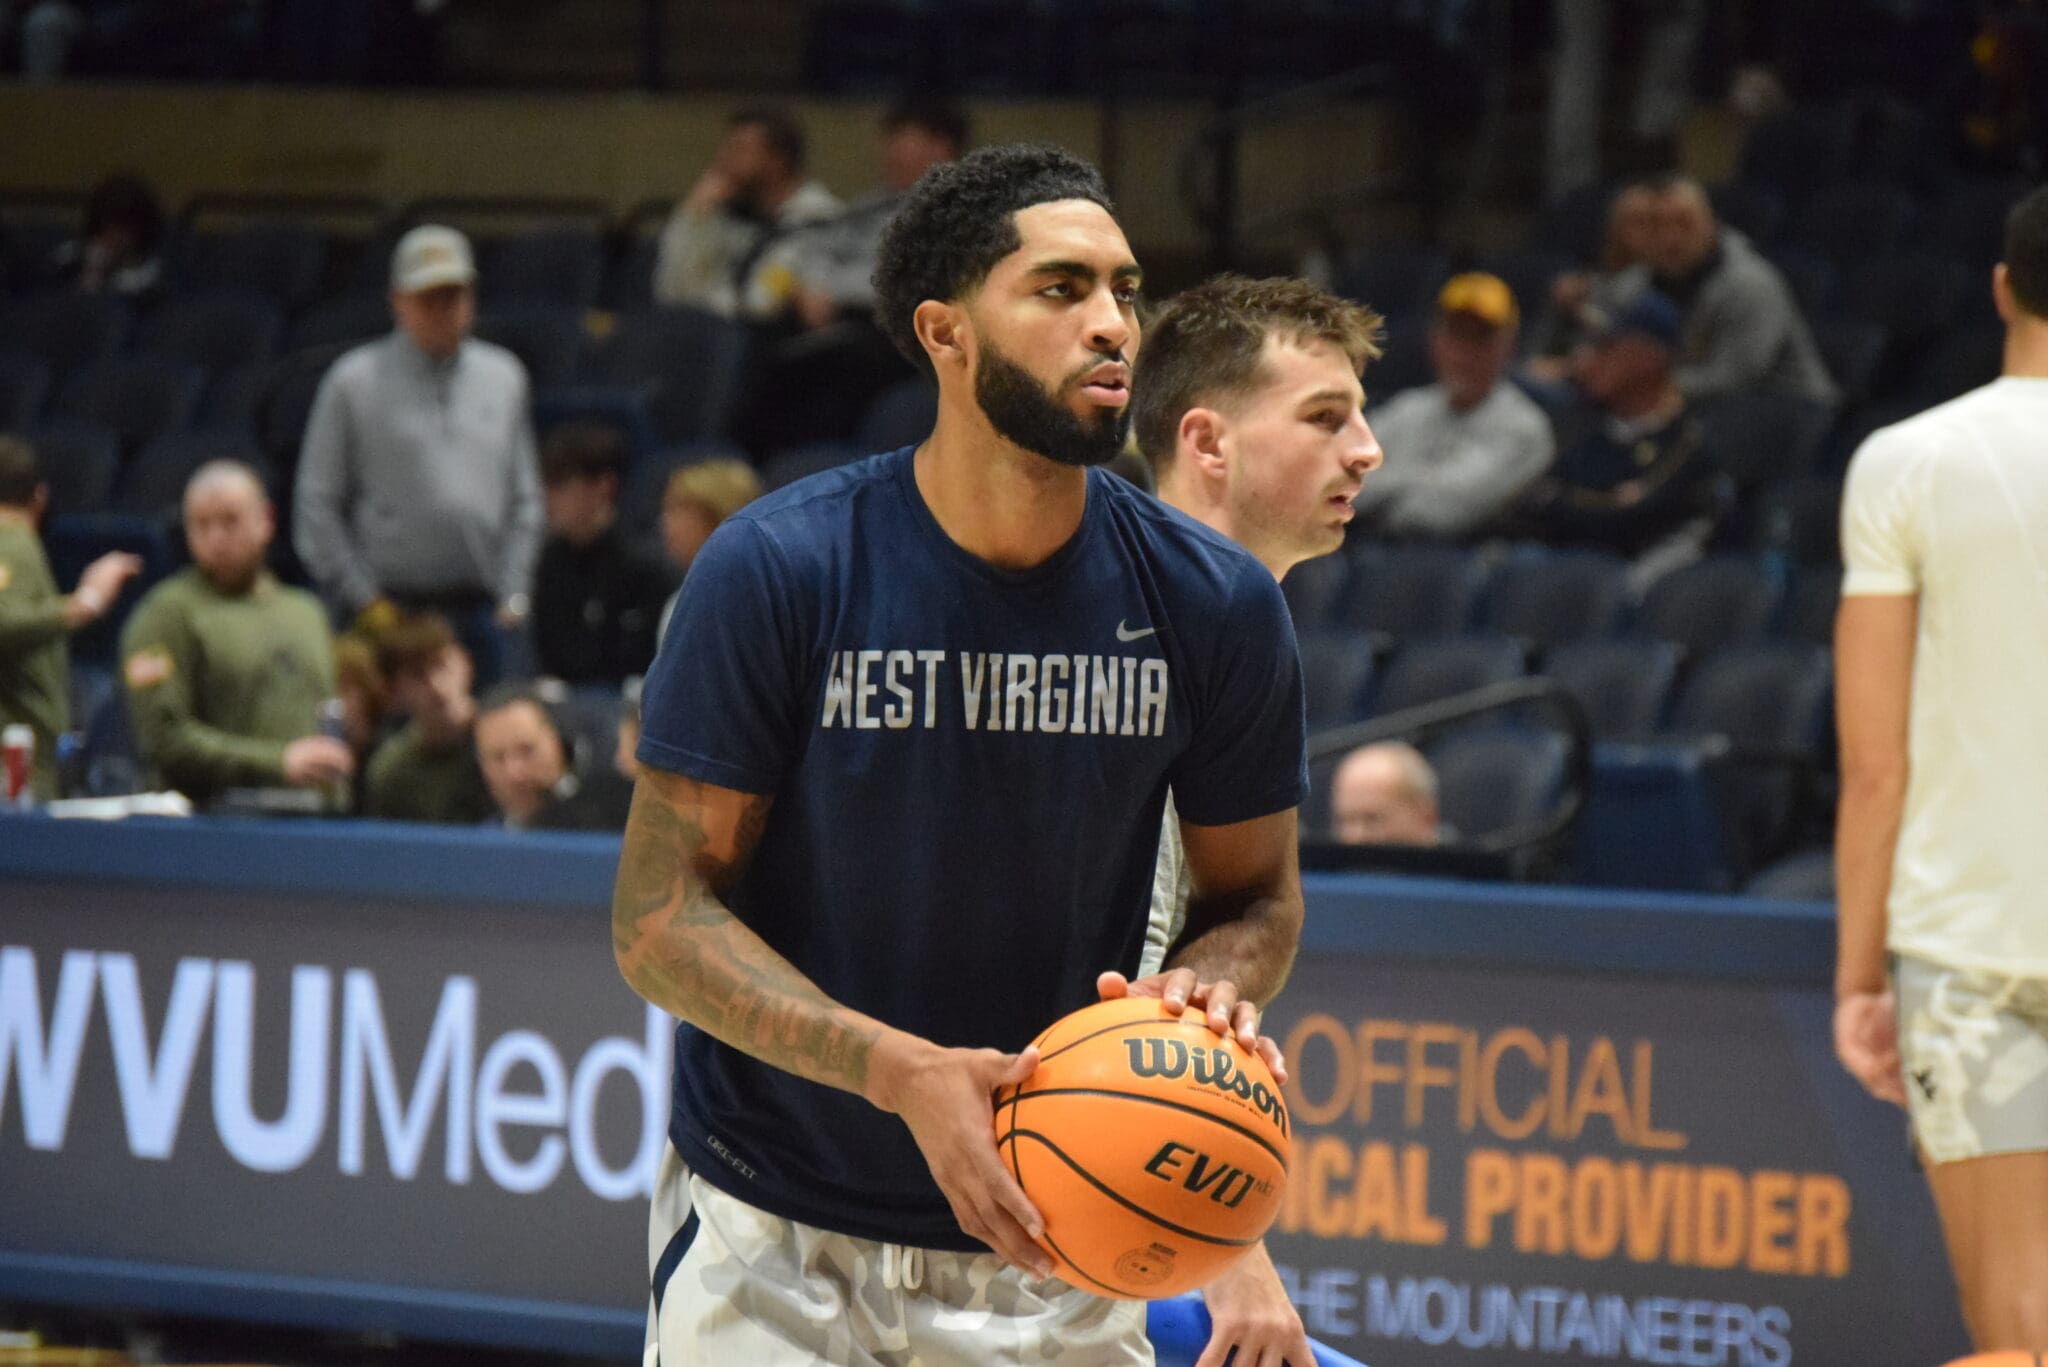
969, 767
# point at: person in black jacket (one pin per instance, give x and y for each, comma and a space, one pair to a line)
597, 599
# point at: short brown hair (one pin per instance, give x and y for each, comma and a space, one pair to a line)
720, 487
1206, 344
411, 644
584, 450
20, 473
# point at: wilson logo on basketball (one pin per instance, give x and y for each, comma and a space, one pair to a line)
1151, 1056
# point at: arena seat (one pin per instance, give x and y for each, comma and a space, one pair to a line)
1799, 519
1623, 685
1769, 702
1336, 674
1497, 777
1400, 280
693, 360
1547, 599
153, 484
64, 329
135, 397
1756, 436
562, 266
79, 460
1709, 604
1811, 275
24, 383
1809, 613
219, 331
1404, 591
1430, 670
1849, 220
1852, 350
1314, 588
1913, 295
546, 336
1755, 210
349, 318
1798, 150
283, 259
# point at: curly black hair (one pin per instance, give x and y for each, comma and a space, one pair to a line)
959, 220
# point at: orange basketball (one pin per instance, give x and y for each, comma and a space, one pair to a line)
2014, 1357
1155, 1150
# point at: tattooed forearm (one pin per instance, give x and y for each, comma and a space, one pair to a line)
680, 947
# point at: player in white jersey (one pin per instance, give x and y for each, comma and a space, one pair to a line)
1941, 647
1248, 406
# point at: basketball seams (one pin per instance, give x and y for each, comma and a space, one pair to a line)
1128, 1204
1182, 1106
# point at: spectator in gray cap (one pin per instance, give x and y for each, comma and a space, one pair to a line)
419, 488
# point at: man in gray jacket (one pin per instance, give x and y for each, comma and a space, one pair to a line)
1742, 328
418, 486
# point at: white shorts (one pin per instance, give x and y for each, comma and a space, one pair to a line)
733, 1285
1974, 1050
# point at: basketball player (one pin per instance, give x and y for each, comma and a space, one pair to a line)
1250, 411
905, 755
1940, 649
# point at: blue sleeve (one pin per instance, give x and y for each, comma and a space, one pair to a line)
1249, 754
724, 696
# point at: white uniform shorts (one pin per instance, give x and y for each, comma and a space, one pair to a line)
733, 1286
1974, 1049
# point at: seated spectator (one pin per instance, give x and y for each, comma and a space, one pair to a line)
1460, 451
822, 363
725, 248
597, 600
835, 261
697, 499
1638, 481
1571, 293
225, 667
1742, 329
417, 486
428, 770
1385, 794
35, 619
529, 771
119, 247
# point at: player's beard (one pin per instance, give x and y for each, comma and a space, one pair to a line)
1023, 412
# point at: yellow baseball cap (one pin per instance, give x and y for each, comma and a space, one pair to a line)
1482, 296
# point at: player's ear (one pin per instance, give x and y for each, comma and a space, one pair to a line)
1200, 440
939, 327
2001, 293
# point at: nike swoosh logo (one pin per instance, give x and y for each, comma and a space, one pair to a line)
1124, 633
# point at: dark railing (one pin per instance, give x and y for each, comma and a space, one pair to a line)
1509, 851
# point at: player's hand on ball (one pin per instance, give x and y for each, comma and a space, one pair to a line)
1229, 1014
1249, 1312
945, 1096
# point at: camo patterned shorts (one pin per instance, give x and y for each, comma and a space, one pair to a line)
737, 1287
1974, 1050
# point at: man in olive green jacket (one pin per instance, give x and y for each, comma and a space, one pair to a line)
36, 621
226, 668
